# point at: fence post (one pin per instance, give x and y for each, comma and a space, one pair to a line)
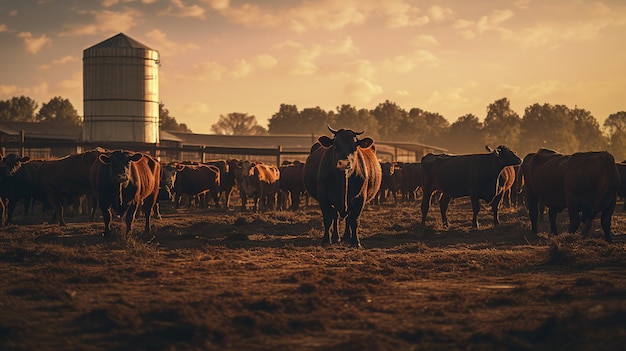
280, 151
22, 140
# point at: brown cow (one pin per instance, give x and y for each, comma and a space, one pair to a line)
342, 174
259, 181
586, 183
123, 181
506, 179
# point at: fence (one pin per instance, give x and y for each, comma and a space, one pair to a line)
45, 149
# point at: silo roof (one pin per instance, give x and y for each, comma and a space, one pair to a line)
120, 41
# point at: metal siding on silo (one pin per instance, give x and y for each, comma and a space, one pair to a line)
121, 92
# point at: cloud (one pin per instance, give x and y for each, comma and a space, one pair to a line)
425, 41
485, 24
33, 45
8, 90
209, 70
179, 9
3, 28
361, 91
534, 92
105, 22
195, 108
325, 15
411, 61
439, 14
169, 47
241, 68
265, 61
60, 61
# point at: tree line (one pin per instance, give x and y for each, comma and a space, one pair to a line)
557, 127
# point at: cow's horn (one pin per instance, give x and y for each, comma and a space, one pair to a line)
332, 130
359, 133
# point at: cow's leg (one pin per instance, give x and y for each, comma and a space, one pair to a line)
149, 205
444, 201
106, 217
475, 210
244, 200
330, 219
574, 220
495, 208
352, 222
552, 212
426, 203
130, 217
533, 211
605, 221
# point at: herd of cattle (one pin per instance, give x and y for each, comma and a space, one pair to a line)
342, 173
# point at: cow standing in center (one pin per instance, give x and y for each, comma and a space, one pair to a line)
342, 174
474, 175
124, 181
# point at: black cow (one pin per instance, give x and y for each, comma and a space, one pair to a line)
474, 175
342, 174
586, 183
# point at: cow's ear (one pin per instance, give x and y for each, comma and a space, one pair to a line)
104, 159
24, 159
325, 141
136, 157
365, 142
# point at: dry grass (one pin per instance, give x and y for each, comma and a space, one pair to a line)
207, 279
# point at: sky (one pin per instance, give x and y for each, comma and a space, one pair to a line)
451, 57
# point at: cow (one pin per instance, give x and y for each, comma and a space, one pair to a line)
18, 183
391, 182
123, 181
411, 180
226, 181
621, 169
343, 174
291, 183
258, 181
584, 183
506, 179
196, 181
473, 175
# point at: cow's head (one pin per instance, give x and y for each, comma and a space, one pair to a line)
13, 163
506, 156
345, 144
119, 163
168, 178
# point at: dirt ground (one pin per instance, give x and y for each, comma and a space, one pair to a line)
229, 280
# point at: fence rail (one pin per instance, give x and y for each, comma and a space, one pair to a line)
168, 152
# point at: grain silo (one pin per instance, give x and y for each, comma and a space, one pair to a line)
121, 91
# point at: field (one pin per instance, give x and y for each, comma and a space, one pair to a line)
224, 280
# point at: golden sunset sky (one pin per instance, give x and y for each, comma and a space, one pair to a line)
218, 56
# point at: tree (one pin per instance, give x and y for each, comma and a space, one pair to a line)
58, 110
167, 122
466, 135
549, 126
390, 117
502, 124
284, 121
238, 124
348, 117
616, 125
587, 131
313, 121
429, 127
19, 109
